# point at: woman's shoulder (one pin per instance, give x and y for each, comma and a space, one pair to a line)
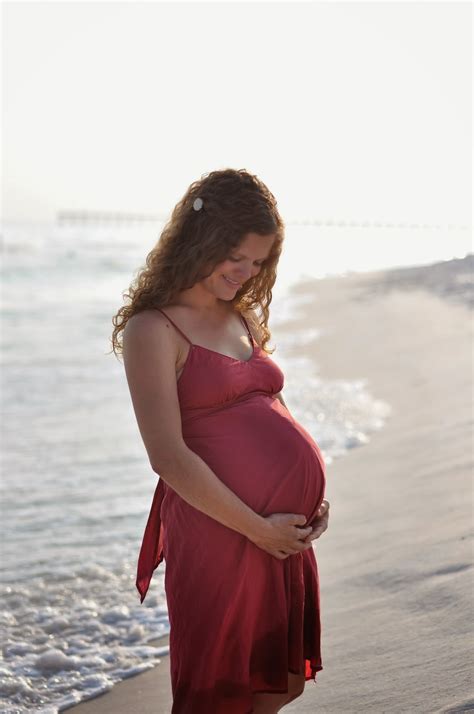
145, 323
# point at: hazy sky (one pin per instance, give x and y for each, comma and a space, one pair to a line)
352, 111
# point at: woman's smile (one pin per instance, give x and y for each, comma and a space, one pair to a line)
234, 283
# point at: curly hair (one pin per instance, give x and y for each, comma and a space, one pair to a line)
193, 242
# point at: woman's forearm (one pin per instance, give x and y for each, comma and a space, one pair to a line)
193, 480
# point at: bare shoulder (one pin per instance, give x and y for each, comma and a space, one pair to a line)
150, 343
149, 327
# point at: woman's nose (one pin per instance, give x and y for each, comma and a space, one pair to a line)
247, 273
243, 276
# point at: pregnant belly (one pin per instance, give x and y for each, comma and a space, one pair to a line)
263, 455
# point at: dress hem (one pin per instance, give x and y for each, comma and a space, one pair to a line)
312, 677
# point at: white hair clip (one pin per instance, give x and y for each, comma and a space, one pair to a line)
198, 204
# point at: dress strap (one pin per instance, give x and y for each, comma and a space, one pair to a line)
174, 324
245, 323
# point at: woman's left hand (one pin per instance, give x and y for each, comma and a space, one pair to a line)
320, 523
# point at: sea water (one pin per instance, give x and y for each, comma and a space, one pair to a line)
77, 485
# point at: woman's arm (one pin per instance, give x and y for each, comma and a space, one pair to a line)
150, 355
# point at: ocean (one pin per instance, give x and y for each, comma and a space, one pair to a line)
77, 485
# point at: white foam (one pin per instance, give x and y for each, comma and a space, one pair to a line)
105, 640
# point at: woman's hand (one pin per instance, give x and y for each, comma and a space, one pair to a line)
282, 534
320, 523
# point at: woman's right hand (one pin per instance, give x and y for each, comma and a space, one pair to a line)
282, 534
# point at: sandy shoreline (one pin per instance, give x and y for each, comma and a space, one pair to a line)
396, 562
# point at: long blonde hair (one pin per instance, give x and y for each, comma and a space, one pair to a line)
192, 243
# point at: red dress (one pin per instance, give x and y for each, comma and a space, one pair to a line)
240, 619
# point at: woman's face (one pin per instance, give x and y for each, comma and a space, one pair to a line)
244, 262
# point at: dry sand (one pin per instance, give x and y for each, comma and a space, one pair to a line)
396, 562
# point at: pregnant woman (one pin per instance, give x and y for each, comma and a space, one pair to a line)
240, 496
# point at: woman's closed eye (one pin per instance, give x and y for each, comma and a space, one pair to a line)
236, 260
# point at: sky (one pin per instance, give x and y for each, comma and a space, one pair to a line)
356, 111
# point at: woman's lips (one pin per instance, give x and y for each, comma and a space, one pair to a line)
230, 282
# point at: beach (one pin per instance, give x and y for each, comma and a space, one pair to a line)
395, 564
